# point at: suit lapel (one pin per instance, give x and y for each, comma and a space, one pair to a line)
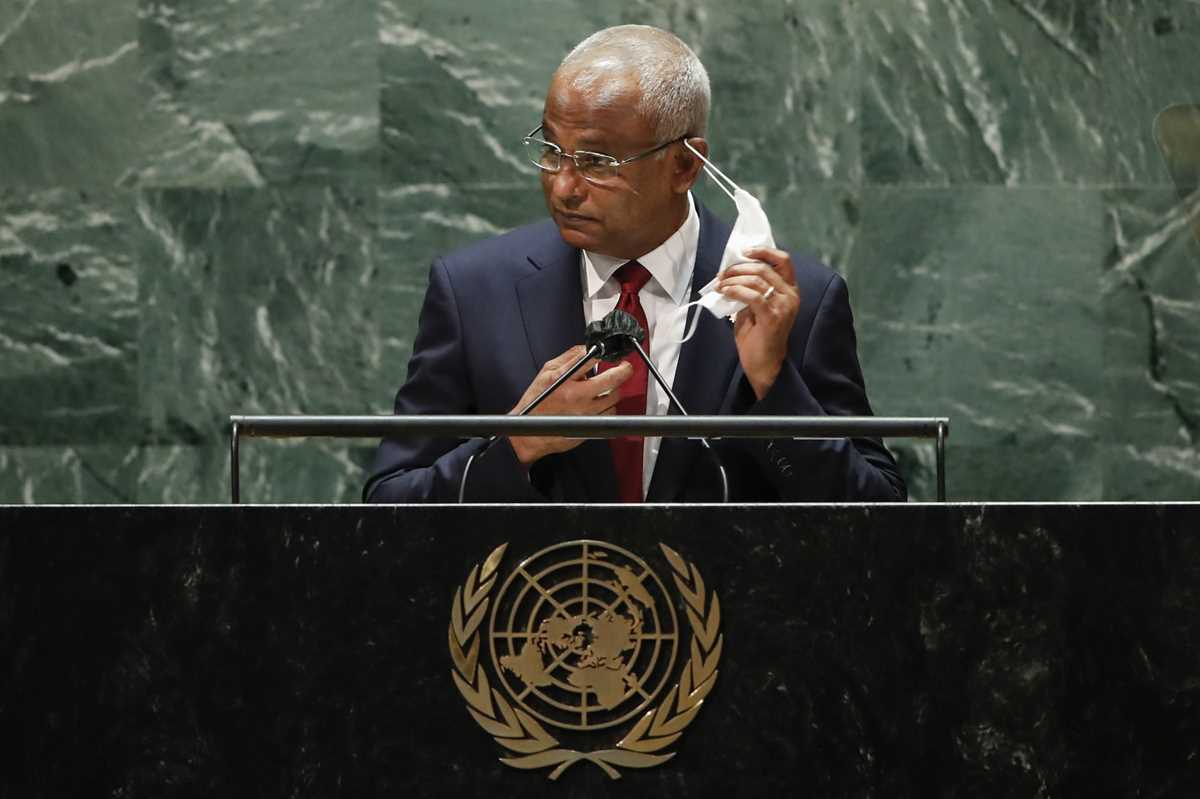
552, 311
706, 365
550, 308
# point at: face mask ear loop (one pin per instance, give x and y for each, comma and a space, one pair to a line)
711, 169
691, 330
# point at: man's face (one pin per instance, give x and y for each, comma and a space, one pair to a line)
641, 208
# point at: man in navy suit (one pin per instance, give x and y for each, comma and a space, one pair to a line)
503, 318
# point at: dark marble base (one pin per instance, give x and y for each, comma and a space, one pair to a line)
869, 651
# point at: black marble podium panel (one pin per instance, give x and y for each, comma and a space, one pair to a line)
890, 651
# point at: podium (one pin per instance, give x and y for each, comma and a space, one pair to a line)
482, 427
865, 650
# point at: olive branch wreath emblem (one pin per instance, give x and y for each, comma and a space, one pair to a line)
533, 747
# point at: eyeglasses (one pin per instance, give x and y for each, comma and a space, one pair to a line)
594, 167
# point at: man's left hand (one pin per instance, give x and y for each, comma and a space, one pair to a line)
768, 287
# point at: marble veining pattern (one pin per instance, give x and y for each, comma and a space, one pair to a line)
68, 332
232, 207
292, 85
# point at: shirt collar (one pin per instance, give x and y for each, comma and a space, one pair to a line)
669, 264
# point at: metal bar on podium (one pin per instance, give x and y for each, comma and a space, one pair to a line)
797, 427
235, 466
943, 430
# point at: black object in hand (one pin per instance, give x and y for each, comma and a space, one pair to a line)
615, 333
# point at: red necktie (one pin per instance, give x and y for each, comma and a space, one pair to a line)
627, 450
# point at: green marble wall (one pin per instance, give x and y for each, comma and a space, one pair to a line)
211, 208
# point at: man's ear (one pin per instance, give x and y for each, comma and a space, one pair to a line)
687, 165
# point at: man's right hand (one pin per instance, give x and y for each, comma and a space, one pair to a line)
579, 396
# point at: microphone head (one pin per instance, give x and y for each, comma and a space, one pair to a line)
616, 334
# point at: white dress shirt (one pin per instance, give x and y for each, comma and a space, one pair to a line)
670, 266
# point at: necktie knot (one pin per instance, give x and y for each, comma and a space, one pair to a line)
632, 276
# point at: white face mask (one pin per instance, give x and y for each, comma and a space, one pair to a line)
752, 229
749, 231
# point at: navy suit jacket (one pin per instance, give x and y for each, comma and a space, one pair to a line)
496, 311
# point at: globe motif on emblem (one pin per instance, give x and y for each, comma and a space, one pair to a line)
583, 635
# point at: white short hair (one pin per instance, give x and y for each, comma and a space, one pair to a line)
675, 93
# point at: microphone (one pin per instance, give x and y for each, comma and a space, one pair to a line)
609, 339
615, 334
630, 337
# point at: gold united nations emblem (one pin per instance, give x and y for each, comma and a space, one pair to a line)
582, 638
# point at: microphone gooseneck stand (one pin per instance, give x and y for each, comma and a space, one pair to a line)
658, 378
594, 349
610, 338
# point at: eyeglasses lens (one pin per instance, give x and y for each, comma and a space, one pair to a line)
595, 167
542, 155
